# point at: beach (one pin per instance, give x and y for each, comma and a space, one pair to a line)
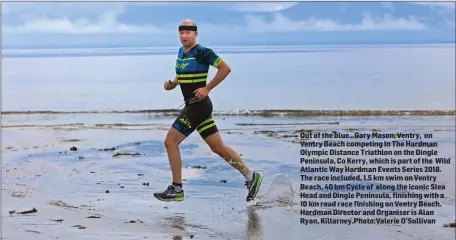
68, 188
83, 147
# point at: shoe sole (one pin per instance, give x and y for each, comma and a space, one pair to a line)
170, 200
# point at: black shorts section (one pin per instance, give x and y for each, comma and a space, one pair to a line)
207, 128
196, 116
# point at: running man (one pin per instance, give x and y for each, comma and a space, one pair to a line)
192, 67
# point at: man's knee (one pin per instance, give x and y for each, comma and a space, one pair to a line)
174, 138
170, 143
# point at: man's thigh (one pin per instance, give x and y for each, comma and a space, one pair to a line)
189, 119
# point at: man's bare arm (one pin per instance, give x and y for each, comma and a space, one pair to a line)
223, 71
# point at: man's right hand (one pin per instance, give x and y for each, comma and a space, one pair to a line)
169, 85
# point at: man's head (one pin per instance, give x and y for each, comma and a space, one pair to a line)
188, 32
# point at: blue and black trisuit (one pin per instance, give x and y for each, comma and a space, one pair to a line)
192, 71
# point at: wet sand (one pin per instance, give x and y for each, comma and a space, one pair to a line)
92, 176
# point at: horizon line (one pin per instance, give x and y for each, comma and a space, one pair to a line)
159, 46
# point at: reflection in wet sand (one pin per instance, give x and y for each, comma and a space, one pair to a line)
254, 229
176, 221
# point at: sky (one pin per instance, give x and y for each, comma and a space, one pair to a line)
137, 24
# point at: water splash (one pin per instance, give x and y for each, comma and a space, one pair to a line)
279, 194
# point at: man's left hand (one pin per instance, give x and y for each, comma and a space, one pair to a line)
201, 93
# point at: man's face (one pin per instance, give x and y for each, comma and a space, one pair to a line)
187, 37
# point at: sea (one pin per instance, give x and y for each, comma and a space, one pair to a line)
355, 77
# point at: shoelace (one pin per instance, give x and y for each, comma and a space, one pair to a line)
169, 189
